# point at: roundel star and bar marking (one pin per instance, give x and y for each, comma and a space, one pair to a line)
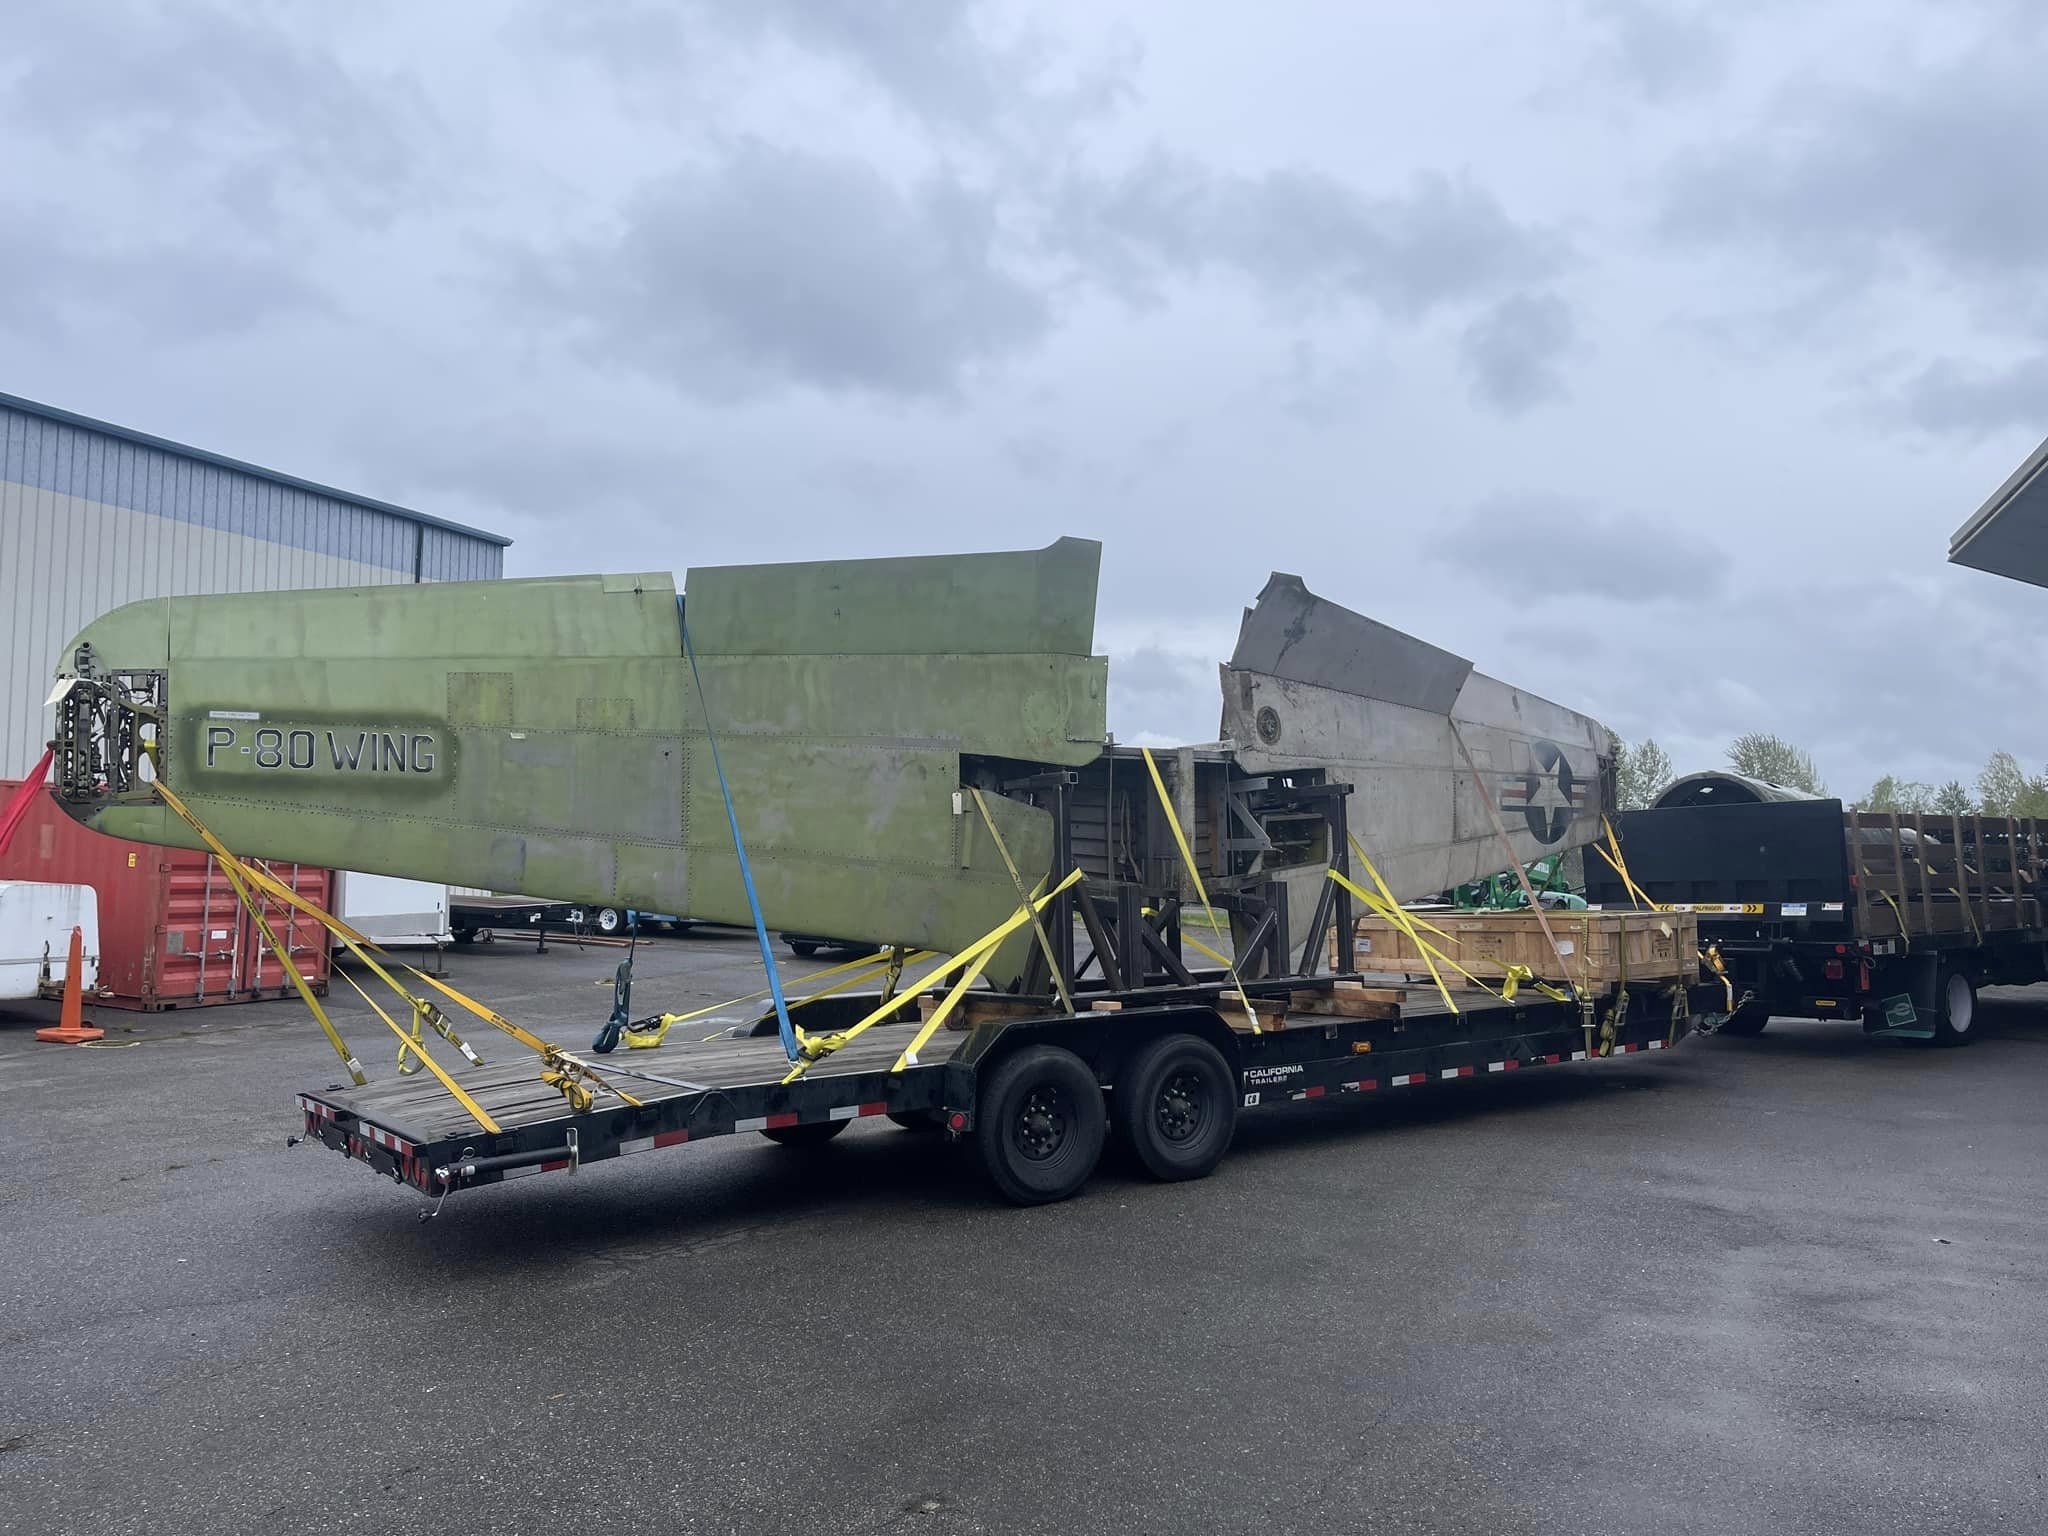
1548, 794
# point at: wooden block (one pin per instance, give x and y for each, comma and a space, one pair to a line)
1342, 1005
1272, 1015
1105, 1006
1359, 989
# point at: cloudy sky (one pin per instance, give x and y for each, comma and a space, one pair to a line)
1645, 353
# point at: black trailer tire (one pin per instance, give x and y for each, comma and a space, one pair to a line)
816, 1134
1747, 1020
465, 935
803, 949
1956, 1009
1039, 1125
918, 1119
1176, 1107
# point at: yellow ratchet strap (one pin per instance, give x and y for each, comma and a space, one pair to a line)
476, 1110
1052, 964
817, 1047
864, 964
1905, 938
1399, 919
552, 1057
1187, 858
231, 867
1620, 867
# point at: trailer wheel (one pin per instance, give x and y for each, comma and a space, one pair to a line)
816, 1134
609, 920
1958, 1000
803, 949
1039, 1125
1176, 1104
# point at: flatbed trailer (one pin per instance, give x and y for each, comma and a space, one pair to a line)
473, 918
1168, 1068
1818, 911
1165, 1054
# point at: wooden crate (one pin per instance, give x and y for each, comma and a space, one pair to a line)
1600, 949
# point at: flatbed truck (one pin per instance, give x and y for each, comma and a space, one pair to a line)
1820, 911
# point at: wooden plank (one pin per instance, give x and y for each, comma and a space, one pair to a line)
1368, 994
1340, 1005
1919, 858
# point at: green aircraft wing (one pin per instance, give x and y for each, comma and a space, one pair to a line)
546, 736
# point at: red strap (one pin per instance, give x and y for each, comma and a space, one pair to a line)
16, 810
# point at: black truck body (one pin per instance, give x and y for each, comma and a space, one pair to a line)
1817, 911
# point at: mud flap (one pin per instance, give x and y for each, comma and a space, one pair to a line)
1908, 1015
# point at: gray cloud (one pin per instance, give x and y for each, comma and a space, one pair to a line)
1514, 351
1303, 237
258, 121
1661, 50
1561, 545
1948, 397
777, 266
1946, 164
945, 67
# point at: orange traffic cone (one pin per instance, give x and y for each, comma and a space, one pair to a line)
71, 1028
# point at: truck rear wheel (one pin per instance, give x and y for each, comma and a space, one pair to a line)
1039, 1125
1176, 1104
1957, 1001
816, 1134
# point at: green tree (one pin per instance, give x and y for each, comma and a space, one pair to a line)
1952, 799
1639, 772
2000, 785
1907, 796
2006, 789
1760, 755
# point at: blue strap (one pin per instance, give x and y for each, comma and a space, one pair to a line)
787, 1029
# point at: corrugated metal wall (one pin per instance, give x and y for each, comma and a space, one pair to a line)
92, 518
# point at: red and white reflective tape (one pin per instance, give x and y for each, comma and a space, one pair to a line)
652, 1143
855, 1111
1408, 1079
314, 1108
1655, 1045
1363, 1085
1510, 1065
1578, 1055
1456, 1072
1307, 1093
388, 1141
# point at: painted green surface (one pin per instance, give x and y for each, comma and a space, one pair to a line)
546, 737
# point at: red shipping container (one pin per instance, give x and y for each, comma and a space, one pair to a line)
172, 934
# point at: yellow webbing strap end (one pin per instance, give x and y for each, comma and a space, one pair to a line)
1905, 938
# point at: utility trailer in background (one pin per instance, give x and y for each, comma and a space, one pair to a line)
1825, 913
1155, 1048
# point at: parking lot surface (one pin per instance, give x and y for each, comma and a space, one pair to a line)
1787, 1284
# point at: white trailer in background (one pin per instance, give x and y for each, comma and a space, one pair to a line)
397, 913
36, 920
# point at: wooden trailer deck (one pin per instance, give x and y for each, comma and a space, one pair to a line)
509, 1089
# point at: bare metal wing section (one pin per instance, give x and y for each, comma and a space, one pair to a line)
1446, 763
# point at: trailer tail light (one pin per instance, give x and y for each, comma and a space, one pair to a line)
1841, 949
1833, 970
956, 1121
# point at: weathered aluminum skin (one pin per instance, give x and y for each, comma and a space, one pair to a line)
1312, 684
546, 735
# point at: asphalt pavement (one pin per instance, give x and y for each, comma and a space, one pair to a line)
1787, 1284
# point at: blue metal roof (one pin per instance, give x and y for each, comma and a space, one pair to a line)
125, 434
